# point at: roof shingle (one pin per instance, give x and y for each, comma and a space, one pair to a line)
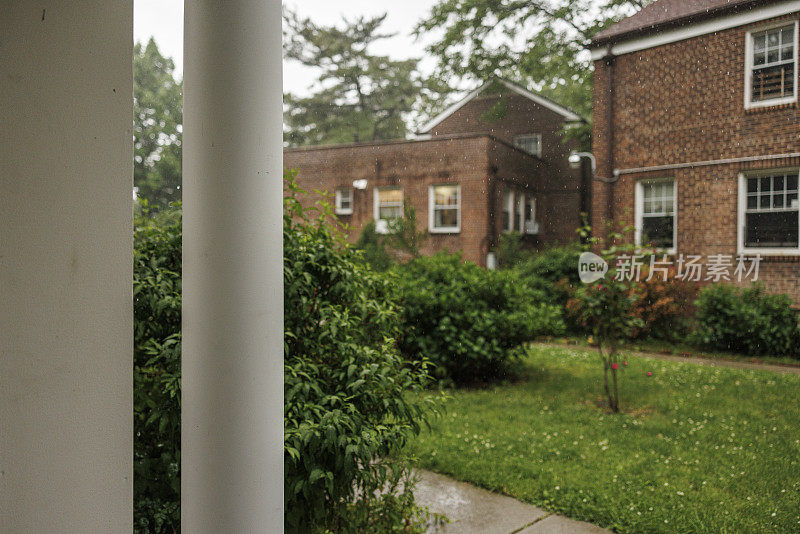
669, 13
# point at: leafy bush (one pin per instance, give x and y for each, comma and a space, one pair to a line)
511, 251
746, 320
664, 307
402, 241
156, 370
373, 248
468, 320
345, 384
346, 408
554, 264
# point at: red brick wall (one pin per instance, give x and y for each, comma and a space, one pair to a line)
684, 102
557, 186
557, 200
414, 166
522, 116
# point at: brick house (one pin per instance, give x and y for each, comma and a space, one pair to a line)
697, 133
470, 174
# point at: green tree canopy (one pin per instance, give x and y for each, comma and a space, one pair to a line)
359, 96
157, 126
541, 43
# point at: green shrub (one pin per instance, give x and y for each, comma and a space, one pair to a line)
511, 251
373, 248
468, 320
345, 381
156, 370
746, 320
346, 408
554, 264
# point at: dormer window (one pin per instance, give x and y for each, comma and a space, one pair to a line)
530, 143
772, 66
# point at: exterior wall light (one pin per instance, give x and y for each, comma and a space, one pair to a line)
576, 157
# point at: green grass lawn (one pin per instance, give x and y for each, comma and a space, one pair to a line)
698, 449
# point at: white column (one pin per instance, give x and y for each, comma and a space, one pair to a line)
66, 335
232, 419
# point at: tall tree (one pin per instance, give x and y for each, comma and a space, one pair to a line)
359, 96
536, 42
157, 126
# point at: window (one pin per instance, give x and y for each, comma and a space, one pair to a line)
520, 212
388, 206
530, 225
531, 143
344, 201
655, 214
444, 208
508, 210
769, 213
772, 66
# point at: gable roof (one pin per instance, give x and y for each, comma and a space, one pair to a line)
668, 13
568, 114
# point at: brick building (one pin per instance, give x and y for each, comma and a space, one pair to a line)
697, 134
471, 174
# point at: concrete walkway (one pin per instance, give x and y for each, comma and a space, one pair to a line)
718, 362
474, 510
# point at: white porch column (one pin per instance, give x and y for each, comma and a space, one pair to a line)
232, 419
66, 248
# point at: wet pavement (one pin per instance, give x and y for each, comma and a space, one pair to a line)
473, 510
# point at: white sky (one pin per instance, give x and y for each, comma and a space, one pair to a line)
163, 20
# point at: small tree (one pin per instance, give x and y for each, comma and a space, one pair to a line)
605, 308
403, 234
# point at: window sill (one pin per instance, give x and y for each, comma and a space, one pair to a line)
453, 230
774, 253
769, 105
343, 212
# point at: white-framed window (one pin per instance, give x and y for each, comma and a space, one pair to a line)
771, 69
530, 143
388, 206
344, 201
656, 223
530, 226
444, 208
508, 210
769, 213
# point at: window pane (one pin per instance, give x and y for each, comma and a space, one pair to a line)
772, 38
791, 200
760, 41
788, 35
390, 212
771, 230
445, 218
772, 56
773, 82
766, 184
752, 185
752, 202
777, 200
445, 195
787, 53
390, 195
658, 231
765, 202
791, 182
